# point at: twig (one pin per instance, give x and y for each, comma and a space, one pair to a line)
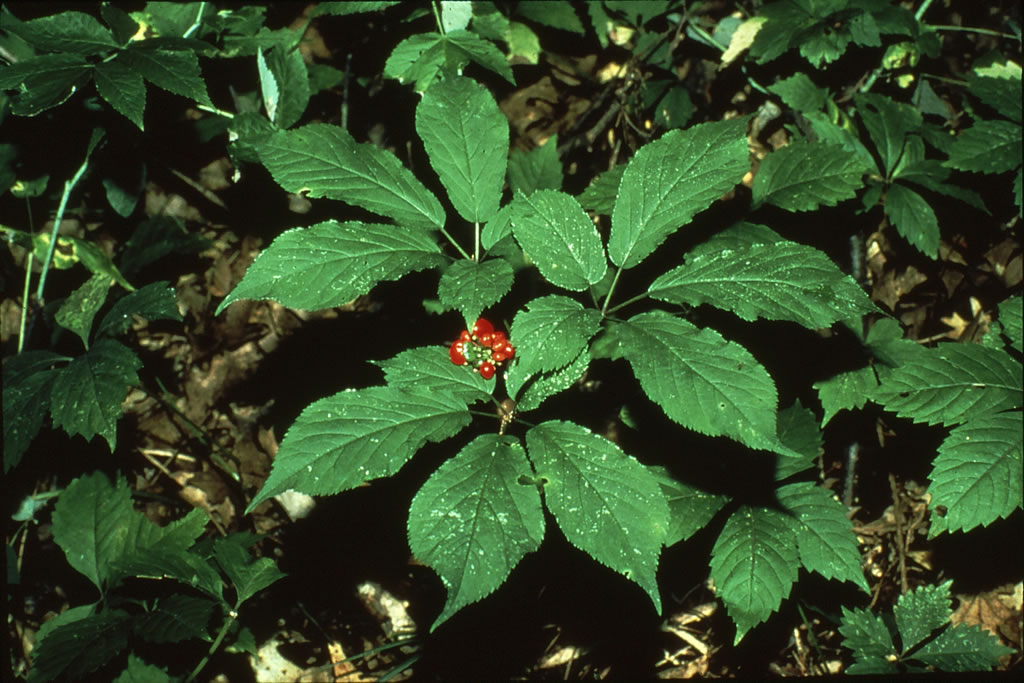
900, 547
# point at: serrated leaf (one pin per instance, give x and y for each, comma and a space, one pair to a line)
800, 93
537, 169
963, 648
155, 301
27, 382
291, 83
888, 123
472, 521
690, 508
977, 473
87, 394
43, 82
913, 218
551, 331
700, 380
799, 431
546, 384
921, 611
176, 71
249, 575
341, 441
779, 281
562, 241
430, 367
321, 160
73, 650
845, 391
739, 235
470, 287
422, 56
1002, 94
123, 88
176, 618
805, 175
497, 228
824, 536
951, 384
67, 31
607, 504
553, 13
669, 181
754, 565
139, 671
1011, 313
987, 147
599, 196
329, 264
466, 138
159, 562
78, 310
866, 634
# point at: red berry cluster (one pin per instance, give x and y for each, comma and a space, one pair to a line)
482, 348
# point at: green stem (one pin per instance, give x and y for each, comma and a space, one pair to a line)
611, 290
197, 22
922, 9
214, 110
232, 616
68, 186
24, 301
437, 17
456, 244
476, 241
625, 303
968, 29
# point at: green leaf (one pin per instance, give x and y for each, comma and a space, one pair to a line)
669, 181
888, 123
176, 617
155, 301
798, 430
66, 31
562, 241
805, 175
866, 634
87, 394
422, 56
341, 260
600, 194
498, 228
546, 384
690, 508
45, 81
341, 441
607, 504
430, 368
160, 562
538, 169
324, 161
551, 331
913, 218
963, 648
779, 281
800, 93
27, 383
1002, 94
921, 611
472, 521
825, 538
470, 287
138, 671
929, 174
123, 88
1011, 313
951, 384
155, 238
95, 525
754, 565
727, 391
78, 310
987, 147
176, 71
73, 650
249, 575
977, 473
466, 138
290, 82
553, 13
845, 391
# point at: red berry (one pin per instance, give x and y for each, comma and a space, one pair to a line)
482, 327
457, 353
465, 336
486, 370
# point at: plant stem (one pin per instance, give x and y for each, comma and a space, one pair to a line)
476, 241
611, 290
968, 29
922, 9
24, 301
456, 244
232, 616
627, 302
